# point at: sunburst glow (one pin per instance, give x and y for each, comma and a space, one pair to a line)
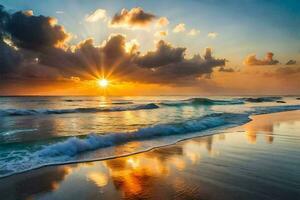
103, 83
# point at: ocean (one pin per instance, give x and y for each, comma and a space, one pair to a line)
42, 131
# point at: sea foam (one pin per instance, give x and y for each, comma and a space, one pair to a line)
73, 149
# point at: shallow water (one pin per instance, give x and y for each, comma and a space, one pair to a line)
259, 160
40, 131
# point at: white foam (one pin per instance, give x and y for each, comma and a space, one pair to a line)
15, 161
74, 145
12, 132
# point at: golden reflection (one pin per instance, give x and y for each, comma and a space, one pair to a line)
134, 163
267, 124
127, 148
142, 174
179, 163
132, 175
192, 151
60, 175
98, 178
262, 125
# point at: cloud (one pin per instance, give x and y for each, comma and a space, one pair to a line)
162, 21
132, 46
224, 69
59, 12
268, 60
99, 14
212, 35
134, 18
4, 17
88, 59
184, 71
35, 32
193, 32
163, 55
28, 12
33, 51
10, 58
179, 28
291, 62
161, 33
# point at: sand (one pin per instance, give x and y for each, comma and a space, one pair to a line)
259, 160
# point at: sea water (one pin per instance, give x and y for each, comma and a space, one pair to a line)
41, 131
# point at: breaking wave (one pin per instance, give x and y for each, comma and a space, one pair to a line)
67, 151
22, 112
75, 149
261, 99
73, 146
202, 101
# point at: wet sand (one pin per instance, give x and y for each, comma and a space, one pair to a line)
259, 160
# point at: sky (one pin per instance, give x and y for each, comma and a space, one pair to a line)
192, 47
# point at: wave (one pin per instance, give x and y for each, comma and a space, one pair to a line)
273, 109
75, 149
95, 100
70, 150
261, 99
122, 102
22, 112
73, 146
201, 101
12, 132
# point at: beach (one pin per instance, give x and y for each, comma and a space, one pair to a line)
257, 160
157, 100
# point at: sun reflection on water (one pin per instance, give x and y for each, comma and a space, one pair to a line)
144, 174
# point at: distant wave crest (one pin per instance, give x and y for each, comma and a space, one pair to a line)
22, 112
261, 99
201, 101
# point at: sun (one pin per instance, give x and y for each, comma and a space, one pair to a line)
103, 83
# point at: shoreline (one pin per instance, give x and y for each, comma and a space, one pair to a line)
217, 166
211, 132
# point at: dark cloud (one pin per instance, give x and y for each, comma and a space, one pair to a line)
160, 66
268, 60
88, 59
224, 69
291, 62
35, 32
136, 17
22, 38
32, 50
185, 71
4, 16
10, 58
163, 55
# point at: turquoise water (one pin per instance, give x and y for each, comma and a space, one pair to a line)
39, 131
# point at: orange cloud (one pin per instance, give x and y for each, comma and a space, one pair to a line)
179, 28
161, 33
268, 60
134, 18
163, 21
